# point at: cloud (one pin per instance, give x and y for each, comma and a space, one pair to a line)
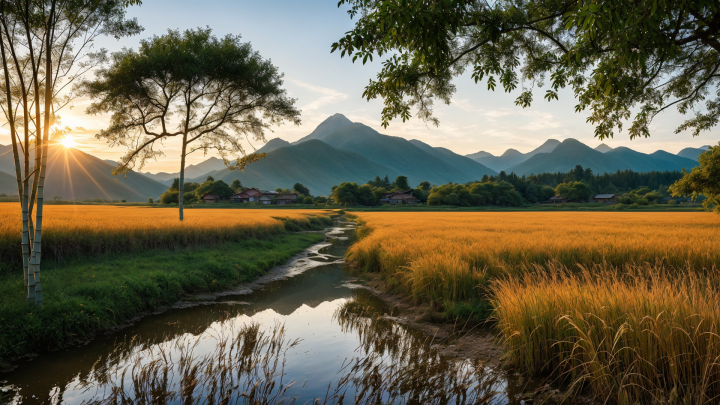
327, 95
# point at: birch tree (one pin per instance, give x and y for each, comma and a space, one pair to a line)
46, 45
212, 94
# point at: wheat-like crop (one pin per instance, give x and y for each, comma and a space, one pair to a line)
447, 256
88, 230
625, 304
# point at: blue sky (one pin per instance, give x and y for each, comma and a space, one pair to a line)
296, 36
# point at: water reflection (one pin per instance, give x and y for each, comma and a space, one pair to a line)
298, 337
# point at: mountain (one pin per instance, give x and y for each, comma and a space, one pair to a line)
273, 144
451, 158
693, 153
313, 163
603, 148
8, 184
480, 154
572, 152
326, 128
76, 175
203, 168
513, 157
404, 157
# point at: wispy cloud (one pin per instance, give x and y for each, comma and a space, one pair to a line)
327, 95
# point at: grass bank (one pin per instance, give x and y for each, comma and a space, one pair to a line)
87, 295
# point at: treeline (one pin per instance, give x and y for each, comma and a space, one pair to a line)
511, 190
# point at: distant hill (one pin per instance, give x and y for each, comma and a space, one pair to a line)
572, 152
512, 157
603, 148
191, 171
72, 174
313, 163
693, 153
480, 154
8, 184
458, 162
273, 144
404, 157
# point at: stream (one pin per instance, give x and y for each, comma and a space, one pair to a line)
303, 333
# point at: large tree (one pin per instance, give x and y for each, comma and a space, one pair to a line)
211, 93
615, 55
46, 45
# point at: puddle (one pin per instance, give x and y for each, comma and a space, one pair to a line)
303, 333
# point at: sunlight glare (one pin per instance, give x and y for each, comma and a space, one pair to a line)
68, 141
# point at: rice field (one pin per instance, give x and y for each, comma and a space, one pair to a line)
445, 257
624, 305
82, 230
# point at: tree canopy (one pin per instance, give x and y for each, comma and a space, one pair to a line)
703, 180
212, 93
614, 55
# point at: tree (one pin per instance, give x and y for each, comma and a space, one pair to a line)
150, 200
45, 47
236, 185
702, 180
210, 93
424, 186
576, 191
300, 189
346, 194
211, 187
401, 182
614, 55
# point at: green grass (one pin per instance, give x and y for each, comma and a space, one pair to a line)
89, 295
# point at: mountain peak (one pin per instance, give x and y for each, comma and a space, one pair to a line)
326, 128
511, 152
603, 148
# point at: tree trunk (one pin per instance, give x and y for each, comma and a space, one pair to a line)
37, 248
181, 186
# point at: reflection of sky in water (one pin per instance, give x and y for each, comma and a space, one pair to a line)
305, 304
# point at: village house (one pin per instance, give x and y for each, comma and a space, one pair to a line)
286, 199
606, 198
558, 200
212, 198
399, 197
249, 195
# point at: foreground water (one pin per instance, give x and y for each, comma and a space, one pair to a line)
301, 334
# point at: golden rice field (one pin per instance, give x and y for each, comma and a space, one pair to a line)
445, 256
625, 305
70, 230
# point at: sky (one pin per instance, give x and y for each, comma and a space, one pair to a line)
296, 36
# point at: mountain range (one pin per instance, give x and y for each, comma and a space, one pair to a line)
340, 150
76, 175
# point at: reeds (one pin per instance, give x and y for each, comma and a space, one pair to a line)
72, 231
638, 334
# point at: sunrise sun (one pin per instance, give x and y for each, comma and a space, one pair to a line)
68, 141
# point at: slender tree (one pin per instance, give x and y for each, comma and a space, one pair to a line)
46, 45
210, 93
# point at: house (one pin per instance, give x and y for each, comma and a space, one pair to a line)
399, 197
212, 198
285, 199
249, 195
606, 198
558, 200
265, 199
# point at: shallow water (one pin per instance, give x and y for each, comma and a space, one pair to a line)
330, 340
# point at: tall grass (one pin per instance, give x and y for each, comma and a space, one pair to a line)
73, 231
641, 334
444, 257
